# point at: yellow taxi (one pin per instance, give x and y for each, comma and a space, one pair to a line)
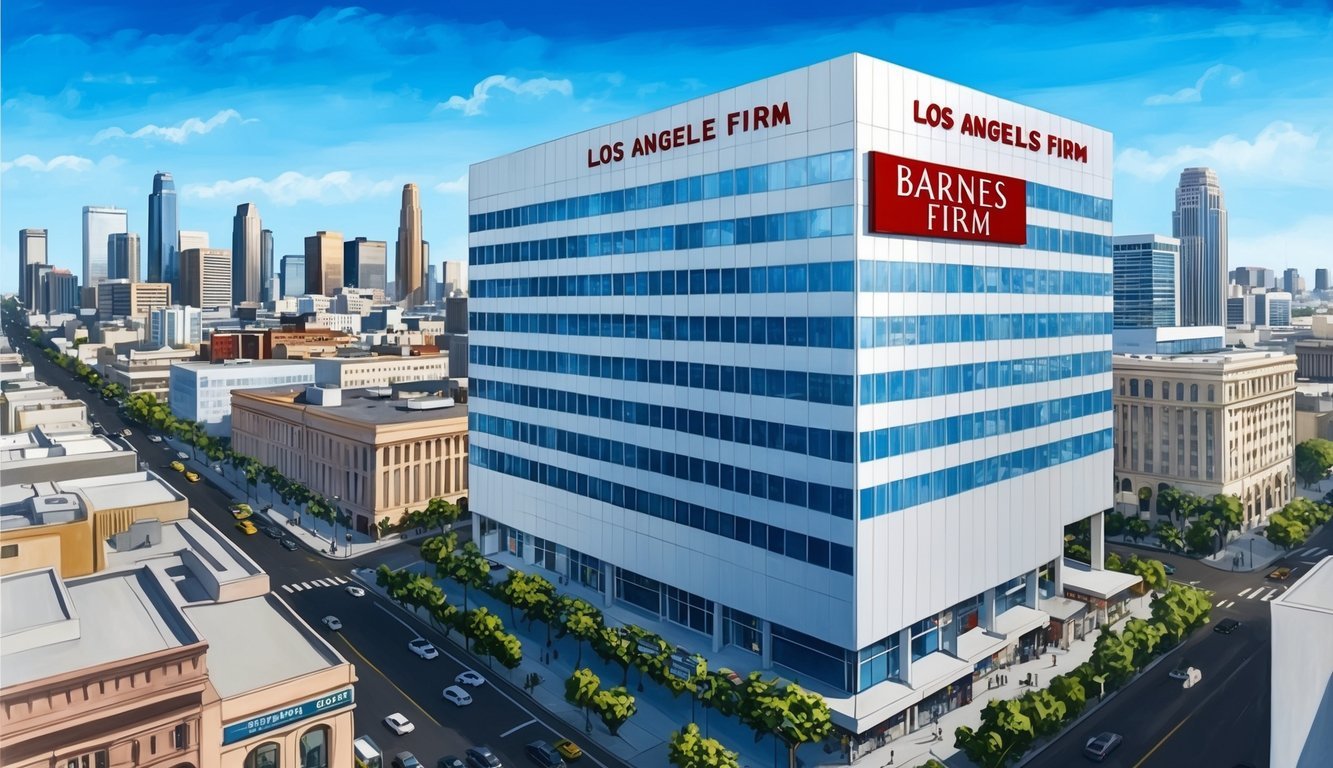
241, 511
192, 476
179, 467
247, 527
568, 749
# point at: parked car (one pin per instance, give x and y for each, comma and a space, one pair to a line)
1169, 568
182, 455
423, 648
457, 696
332, 623
272, 533
405, 760
247, 527
568, 749
126, 432
1226, 626
289, 544
1101, 745
154, 438
468, 677
544, 754
482, 757
355, 591
192, 476
179, 467
398, 723
449, 761
1280, 574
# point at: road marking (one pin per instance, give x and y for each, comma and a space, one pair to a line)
1226, 603
1308, 562
1270, 594
495, 688
296, 587
1159, 744
387, 679
1318, 552
1255, 593
289, 589
305, 585
340, 579
1242, 592
518, 727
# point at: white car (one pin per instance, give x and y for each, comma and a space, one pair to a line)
332, 623
468, 677
154, 438
356, 591
182, 455
457, 696
422, 647
399, 724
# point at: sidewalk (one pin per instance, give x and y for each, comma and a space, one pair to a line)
315, 534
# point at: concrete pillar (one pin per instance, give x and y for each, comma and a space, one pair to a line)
987, 620
608, 585
717, 626
767, 656
1098, 541
905, 655
476, 534
1058, 576
1030, 593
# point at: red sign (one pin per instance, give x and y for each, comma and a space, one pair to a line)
913, 197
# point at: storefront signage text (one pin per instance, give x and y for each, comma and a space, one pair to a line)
999, 132
913, 197
282, 717
743, 121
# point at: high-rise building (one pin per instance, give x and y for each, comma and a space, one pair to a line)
188, 238
62, 291
293, 275
455, 277
130, 298
408, 261
266, 276
123, 256
1146, 281
364, 263
1200, 222
32, 250
99, 223
1253, 277
323, 263
163, 238
1291, 281
175, 326
831, 452
1321, 279
247, 242
206, 277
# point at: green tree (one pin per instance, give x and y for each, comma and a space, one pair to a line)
1069, 689
1153, 572
1143, 637
614, 706
1224, 514
1169, 536
470, 569
1113, 657
1046, 712
580, 619
1313, 458
439, 513
1114, 522
1285, 532
791, 713
507, 649
1137, 529
1199, 538
1004, 735
581, 689
482, 627
1113, 562
614, 646
1181, 609
689, 749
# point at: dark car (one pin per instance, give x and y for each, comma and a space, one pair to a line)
545, 755
1169, 568
1101, 745
272, 533
482, 757
406, 760
289, 544
449, 761
1226, 626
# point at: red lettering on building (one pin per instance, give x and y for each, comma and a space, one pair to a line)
742, 121
913, 197
997, 131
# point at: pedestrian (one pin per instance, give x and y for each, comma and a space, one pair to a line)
1052, 659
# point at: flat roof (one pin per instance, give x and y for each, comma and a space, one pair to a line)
363, 405
1312, 591
131, 489
1105, 584
29, 600
1228, 355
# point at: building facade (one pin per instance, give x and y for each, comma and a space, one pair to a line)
1253, 277
1207, 423
176, 326
62, 291
1302, 677
201, 391
380, 456
205, 277
731, 364
1292, 282
123, 256
123, 298
32, 250
409, 262
190, 238
1146, 281
323, 263
364, 263
267, 278
379, 370
1200, 223
247, 244
99, 223
163, 233
1321, 279
293, 275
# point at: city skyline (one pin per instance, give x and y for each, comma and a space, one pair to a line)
92, 115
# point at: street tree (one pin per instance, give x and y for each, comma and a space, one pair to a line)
791, 713
1313, 458
1224, 514
470, 569
580, 619
1113, 657
1046, 712
1285, 532
482, 628
614, 706
1169, 536
1004, 735
507, 649
612, 645
1199, 537
1143, 637
1137, 529
580, 690
1153, 572
1069, 689
689, 749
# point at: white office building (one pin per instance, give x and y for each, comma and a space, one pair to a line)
201, 391
815, 370
175, 326
1302, 735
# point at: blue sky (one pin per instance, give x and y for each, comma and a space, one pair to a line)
319, 113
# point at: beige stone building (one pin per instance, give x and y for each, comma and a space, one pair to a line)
379, 370
125, 298
382, 454
1208, 423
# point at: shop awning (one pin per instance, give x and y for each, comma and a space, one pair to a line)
1018, 621
1062, 608
936, 670
1103, 584
977, 644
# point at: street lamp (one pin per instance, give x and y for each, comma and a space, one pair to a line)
337, 512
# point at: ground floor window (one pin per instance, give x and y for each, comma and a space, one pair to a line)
811, 656
742, 630
315, 747
639, 590
512, 540
879, 662
265, 755
544, 553
689, 610
586, 570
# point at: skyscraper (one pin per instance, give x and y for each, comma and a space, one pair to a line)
293, 275
1253, 277
1145, 281
266, 276
205, 277
189, 238
99, 223
1321, 279
455, 277
246, 245
123, 257
62, 291
364, 263
323, 263
163, 233
408, 261
1292, 282
1200, 222
32, 250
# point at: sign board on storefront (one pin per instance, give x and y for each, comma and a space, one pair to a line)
282, 717
914, 197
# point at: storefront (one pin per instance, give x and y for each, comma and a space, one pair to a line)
1070, 621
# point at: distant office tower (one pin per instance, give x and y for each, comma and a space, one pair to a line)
364, 263
246, 244
175, 326
205, 277
426, 273
99, 223
1253, 277
432, 285
1291, 281
455, 277
408, 261
293, 275
35, 277
187, 239
1146, 281
1321, 279
163, 226
62, 291
323, 263
123, 257
32, 250
266, 266
1200, 221
129, 298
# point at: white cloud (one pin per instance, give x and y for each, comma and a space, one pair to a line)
1194, 94
292, 187
538, 87
458, 185
119, 78
58, 163
176, 134
1280, 152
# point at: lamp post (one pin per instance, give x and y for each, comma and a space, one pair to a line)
337, 512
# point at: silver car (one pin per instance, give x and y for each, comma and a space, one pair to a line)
1101, 745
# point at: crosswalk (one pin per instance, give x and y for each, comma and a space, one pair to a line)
1311, 552
301, 586
1262, 594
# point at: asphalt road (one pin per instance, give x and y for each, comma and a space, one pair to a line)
1224, 720
375, 632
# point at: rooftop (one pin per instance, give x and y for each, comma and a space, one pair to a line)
369, 405
1313, 591
132, 489
1219, 357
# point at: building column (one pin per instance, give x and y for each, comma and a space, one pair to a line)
529, 551
767, 657
608, 584
905, 655
1097, 537
1030, 593
988, 610
476, 532
717, 626
1058, 576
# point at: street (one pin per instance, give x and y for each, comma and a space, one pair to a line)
375, 632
